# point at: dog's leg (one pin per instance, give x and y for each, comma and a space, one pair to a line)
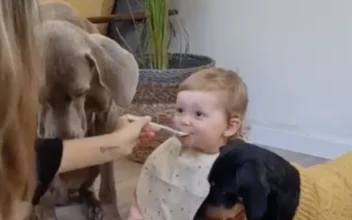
95, 209
107, 190
59, 191
45, 210
106, 122
107, 185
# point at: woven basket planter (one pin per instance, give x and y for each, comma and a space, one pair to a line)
156, 95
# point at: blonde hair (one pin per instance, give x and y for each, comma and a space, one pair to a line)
18, 102
219, 79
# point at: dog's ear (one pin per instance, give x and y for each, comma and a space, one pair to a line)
117, 68
253, 189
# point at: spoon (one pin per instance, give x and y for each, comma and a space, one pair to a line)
159, 126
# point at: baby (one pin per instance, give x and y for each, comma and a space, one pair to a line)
210, 108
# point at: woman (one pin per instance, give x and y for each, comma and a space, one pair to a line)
19, 66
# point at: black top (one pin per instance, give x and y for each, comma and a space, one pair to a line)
48, 159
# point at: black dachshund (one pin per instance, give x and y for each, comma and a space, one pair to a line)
271, 188
265, 184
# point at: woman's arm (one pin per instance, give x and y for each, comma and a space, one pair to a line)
90, 151
55, 156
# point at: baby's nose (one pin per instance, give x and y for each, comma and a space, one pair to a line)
185, 120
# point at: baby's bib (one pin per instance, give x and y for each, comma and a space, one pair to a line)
173, 182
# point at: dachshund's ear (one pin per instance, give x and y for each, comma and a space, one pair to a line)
253, 189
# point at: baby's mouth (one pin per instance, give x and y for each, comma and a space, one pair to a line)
186, 136
183, 132
186, 133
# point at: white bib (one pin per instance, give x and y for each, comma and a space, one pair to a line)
173, 182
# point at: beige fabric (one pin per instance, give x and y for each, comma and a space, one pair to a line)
94, 8
173, 182
90, 8
326, 190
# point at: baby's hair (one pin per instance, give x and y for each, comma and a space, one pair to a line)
228, 81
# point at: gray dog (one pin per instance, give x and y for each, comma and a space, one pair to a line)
86, 76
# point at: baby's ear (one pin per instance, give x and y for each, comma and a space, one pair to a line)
234, 124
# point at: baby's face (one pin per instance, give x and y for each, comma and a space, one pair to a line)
202, 115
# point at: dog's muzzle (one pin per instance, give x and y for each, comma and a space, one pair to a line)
220, 213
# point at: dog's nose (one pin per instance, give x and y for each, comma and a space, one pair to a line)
215, 198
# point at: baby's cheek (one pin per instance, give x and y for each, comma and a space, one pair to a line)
208, 134
175, 122
210, 139
186, 141
204, 139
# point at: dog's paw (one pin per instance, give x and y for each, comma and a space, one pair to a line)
43, 213
95, 212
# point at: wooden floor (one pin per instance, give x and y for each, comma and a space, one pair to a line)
127, 173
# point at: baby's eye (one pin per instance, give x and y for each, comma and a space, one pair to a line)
179, 110
199, 114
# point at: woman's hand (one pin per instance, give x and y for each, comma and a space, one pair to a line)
147, 133
133, 132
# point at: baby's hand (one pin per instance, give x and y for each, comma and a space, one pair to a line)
135, 214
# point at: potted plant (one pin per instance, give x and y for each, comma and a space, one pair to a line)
160, 71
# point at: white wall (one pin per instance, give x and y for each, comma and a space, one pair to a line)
296, 58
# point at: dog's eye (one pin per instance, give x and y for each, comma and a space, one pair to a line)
80, 94
224, 193
212, 184
67, 98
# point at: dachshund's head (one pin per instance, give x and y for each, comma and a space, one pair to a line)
258, 180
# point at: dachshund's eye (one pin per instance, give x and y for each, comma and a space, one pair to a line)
212, 184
